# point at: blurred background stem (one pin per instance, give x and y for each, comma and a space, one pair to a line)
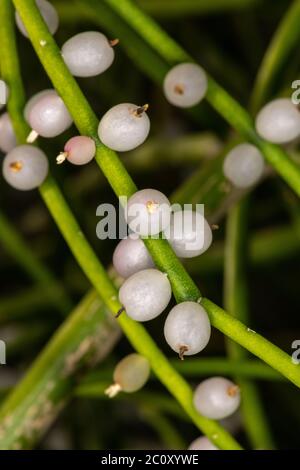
236, 302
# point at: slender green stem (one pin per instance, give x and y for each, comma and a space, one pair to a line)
231, 111
215, 366
25, 257
183, 286
83, 340
236, 302
10, 69
252, 341
283, 42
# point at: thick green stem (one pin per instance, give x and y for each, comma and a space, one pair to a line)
236, 302
82, 341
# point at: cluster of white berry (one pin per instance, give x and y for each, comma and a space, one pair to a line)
146, 291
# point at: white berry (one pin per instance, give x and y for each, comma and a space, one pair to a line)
78, 150
48, 115
187, 328
279, 121
25, 167
34, 99
244, 165
7, 134
124, 127
49, 14
202, 443
189, 233
185, 85
148, 212
131, 256
88, 54
145, 294
130, 375
217, 398
4, 93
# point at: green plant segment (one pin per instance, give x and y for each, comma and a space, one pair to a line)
284, 41
236, 301
183, 287
82, 341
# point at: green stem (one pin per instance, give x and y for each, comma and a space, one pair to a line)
83, 340
283, 42
183, 286
215, 366
25, 257
236, 302
14, 244
231, 111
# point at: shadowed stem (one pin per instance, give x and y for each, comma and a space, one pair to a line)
236, 302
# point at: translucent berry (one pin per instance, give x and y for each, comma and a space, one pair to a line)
79, 150
279, 121
88, 54
124, 127
130, 375
49, 14
202, 443
7, 135
131, 256
243, 166
145, 294
48, 116
25, 167
185, 85
187, 328
148, 212
189, 233
217, 398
